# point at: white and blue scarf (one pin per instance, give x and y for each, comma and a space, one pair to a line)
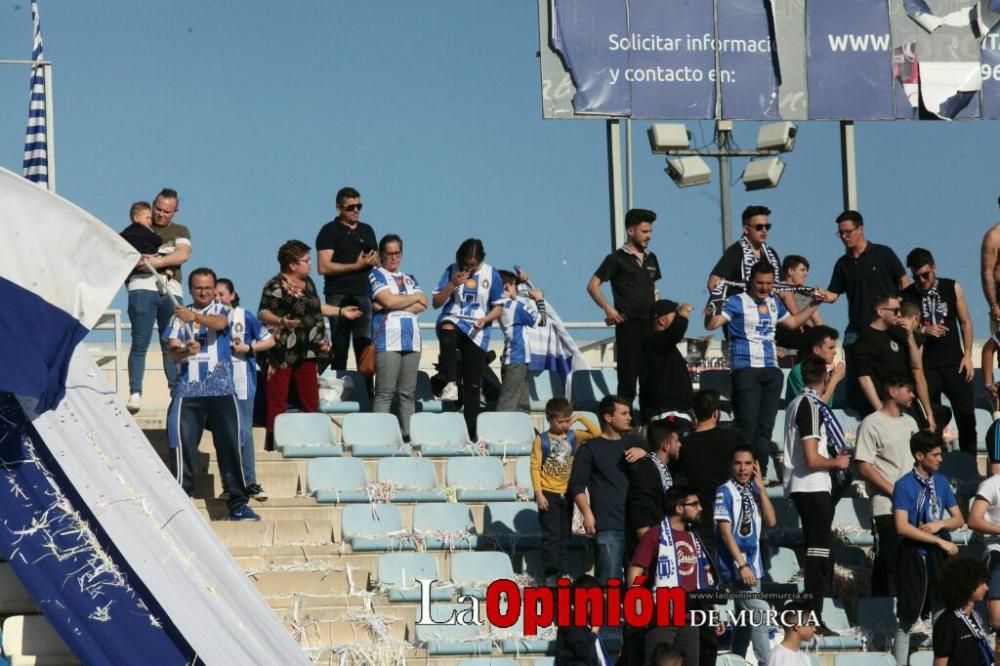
749, 258
976, 629
667, 567
665, 477
836, 442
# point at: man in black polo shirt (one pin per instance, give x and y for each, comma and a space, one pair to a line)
346, 250
947, 359
664, 381
864, 271
633, 273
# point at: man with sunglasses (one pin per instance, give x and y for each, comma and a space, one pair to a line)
947, 358
346, 251
864, 271
740, 257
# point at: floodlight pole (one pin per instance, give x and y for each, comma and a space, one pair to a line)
615, 182
723, 137
848, 165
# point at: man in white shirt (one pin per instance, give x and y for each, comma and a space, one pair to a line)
984, 518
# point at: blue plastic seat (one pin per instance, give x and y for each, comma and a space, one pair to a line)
522, 474
374, 436
410, 480
478, 479
374, 527
543, 385
424, 396
849, 422
877, 617
441, 434
788, 530
488, 661
449, 639
852, 520
784, 566
337, 480
778, 431
354, 395
729, 660
446, 526
517, 643
588, 387
512, 524
984, 419
299, 435
922, 658
398, 574
473, 572
865, 659
835, 617
506, 433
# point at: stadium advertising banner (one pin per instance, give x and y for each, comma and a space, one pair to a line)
770, 59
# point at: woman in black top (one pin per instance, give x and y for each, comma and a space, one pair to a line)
959, 635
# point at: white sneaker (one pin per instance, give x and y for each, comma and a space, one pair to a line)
450, 392
134, 403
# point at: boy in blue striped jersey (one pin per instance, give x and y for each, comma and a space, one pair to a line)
518, 312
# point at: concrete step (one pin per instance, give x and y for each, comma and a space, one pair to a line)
278, 508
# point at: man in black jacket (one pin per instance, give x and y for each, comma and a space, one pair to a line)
664, 382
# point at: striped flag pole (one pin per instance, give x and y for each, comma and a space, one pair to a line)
39, 142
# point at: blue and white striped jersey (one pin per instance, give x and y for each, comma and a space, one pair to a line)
751, 330
472, 301
519, 314
244, 327
210, 373
396, 330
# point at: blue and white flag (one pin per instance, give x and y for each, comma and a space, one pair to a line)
551, 346
60, 267
36, 150
108, 546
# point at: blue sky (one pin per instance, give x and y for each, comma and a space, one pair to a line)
257, 112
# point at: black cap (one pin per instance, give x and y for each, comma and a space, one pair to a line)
663, 307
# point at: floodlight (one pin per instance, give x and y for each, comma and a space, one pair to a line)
687, 171
663, 138
761, 174
777, 136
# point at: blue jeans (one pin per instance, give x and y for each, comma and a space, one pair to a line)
246, 438
759, 635
164, 313
609, 554
756, 395
142, 313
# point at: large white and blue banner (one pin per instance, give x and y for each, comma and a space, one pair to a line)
111, 550
764, 59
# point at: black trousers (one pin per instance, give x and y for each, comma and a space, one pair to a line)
884, 568
629, 337
816, 511
556, 524
452, 342
963, 405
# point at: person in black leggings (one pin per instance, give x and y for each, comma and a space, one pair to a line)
470, 297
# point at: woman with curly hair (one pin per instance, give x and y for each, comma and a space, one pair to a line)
291, 308
959, 636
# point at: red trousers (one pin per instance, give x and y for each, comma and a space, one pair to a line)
306, 380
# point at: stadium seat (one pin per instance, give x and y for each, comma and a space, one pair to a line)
444, 526
337, 480
960, 466
353, 392
398, 573
33, 639
488, 661
730, 660
299, 435
410, 480
984, 419
877, 617
849, 422
512, 524
522, 474
479, 479
472, 572
852, 521
835, 618
14, 599
865, 659
784, 566
516, 643
441, 434
374, 436
426, 400
543, 385
450, 639
374, 527
544, 661
778, 431
588, 387
922, 658
506, 433
788, 530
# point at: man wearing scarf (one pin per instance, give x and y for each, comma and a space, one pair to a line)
672, 555
947, 358
925, 509
959, 636
740, 257
741, 508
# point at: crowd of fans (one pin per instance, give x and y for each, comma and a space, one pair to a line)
641, 494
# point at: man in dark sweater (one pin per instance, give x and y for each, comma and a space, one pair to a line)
601, 467
664, 382
705, 459
650, 478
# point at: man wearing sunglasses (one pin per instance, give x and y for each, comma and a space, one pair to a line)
346, 252
740, 257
